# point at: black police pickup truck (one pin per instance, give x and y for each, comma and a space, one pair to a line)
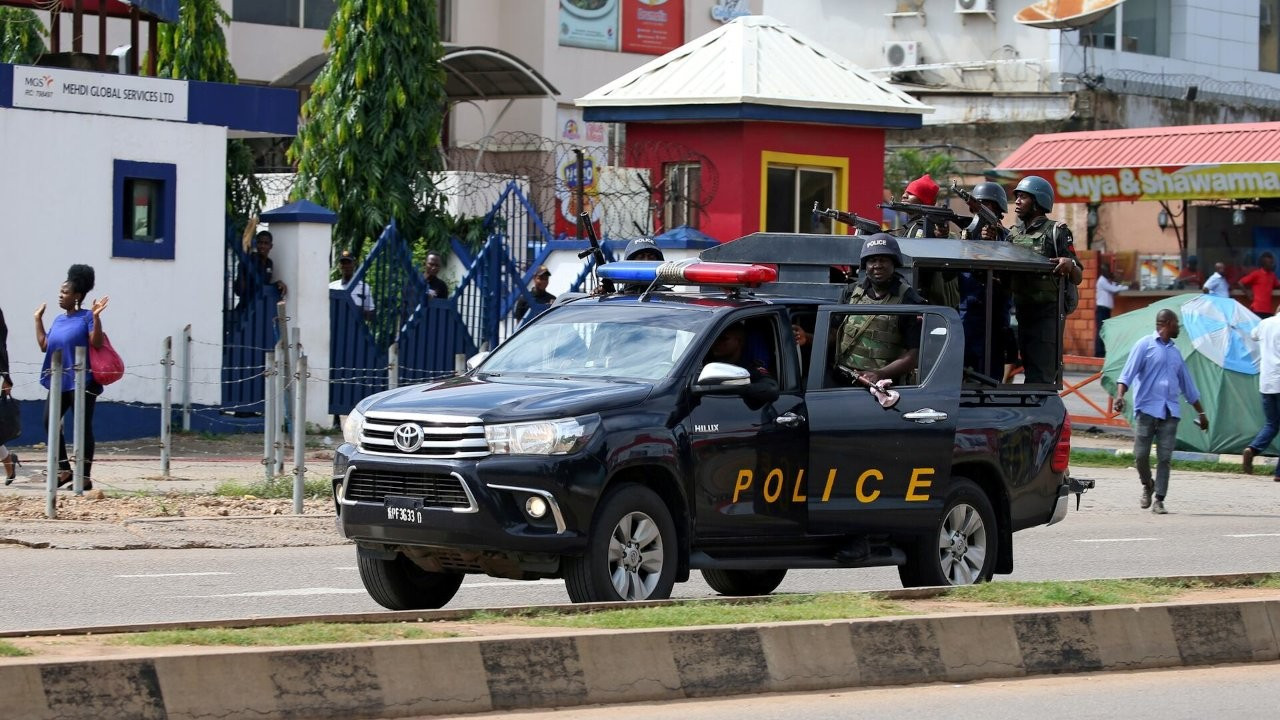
601, 444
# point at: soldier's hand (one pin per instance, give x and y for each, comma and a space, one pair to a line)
802, 337
989, 232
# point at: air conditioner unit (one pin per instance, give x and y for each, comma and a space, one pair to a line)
987, 7
902, 53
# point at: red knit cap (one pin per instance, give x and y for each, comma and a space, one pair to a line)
924, 188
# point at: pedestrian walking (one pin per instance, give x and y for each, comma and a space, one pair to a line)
8, 458
76, 327
1156, 368
1267, 333
1217, 283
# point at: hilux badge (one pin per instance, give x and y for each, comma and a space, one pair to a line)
408, 437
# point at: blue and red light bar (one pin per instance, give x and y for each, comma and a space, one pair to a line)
687, 272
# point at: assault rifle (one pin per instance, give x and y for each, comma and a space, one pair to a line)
932, 213
584, 219
986, 215
862, 224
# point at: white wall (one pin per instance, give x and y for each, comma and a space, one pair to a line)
56, 201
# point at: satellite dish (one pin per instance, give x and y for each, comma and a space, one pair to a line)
1064, 14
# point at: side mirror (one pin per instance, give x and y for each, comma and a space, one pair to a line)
474, 361
722, 379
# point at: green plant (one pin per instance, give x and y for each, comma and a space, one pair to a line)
11, 650
907, 164
21, 36
194, 48
369, 142
279, 487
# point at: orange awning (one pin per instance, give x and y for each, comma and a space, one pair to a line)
1193, 162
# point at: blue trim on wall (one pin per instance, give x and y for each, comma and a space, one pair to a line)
6, 85
167, 175
753, 111
243, 107
130, 421
299, 212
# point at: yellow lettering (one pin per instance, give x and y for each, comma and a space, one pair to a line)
795, 493
919, 482
743, 483
831, 479
864, 496
772, 495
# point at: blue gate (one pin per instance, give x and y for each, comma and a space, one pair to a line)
428, 331
248, 328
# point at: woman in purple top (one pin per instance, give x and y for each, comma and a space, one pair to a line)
77, 327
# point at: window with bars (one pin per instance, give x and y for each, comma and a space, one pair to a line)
682, 183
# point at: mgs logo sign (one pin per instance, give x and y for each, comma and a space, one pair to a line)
408, 437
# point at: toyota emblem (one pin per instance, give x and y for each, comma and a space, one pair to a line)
408, 437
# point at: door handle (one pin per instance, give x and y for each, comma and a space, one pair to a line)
925, 416
790, 420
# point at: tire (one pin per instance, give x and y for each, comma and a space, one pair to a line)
631, 552
400, 584
741, 583
963, 547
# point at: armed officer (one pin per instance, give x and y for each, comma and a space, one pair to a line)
923, 191
993, 196
973, 290
1035, 297
880, 347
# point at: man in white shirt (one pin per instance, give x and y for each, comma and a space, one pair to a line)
360, 292
1267, 333
1217, 283
1104, 302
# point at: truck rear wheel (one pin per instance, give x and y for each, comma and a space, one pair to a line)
962, 549
400, 584
631, 551
741, 583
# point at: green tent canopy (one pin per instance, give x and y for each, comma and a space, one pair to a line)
1215, 342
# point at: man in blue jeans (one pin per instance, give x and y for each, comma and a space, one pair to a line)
1267, 333
1156, 367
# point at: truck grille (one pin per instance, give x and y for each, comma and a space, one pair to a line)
421, 435
436, 491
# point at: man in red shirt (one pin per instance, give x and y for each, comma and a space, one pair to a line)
1262, 281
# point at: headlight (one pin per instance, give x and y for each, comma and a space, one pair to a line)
352, 426
548, 437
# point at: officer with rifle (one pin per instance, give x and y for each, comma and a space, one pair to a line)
1035, 297
989, 203
874, 348
930, 221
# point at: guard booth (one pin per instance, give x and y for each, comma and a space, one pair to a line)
823, 266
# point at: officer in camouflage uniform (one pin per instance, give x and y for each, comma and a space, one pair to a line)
1035, 297
941, 286
880, 347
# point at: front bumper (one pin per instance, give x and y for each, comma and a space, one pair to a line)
481, 509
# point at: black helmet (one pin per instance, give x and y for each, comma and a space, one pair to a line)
880, 244
639, 245
993, 192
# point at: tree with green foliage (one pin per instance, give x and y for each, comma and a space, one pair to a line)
907, 164
370, 137
194, 48
21, 36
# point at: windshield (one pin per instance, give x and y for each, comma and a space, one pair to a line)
624, 342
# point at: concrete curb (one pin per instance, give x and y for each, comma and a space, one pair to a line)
1258, 462
558, 670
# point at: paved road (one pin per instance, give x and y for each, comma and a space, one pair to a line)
1229, 692
1216, 524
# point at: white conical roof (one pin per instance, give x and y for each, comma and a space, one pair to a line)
754, 59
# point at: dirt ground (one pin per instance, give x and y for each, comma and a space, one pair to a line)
105, 645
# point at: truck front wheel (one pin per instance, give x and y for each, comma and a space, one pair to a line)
742, 583
399, 584
631, 551
962, 549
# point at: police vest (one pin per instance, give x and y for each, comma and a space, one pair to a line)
869, 342
1039, 288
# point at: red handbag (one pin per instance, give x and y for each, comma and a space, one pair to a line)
105, 362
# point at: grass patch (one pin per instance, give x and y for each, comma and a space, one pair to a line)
1094, 458
281, 487
1069, 594
11, 650
781, 608
306, 634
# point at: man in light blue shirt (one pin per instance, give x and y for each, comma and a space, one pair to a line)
1217, 283
1156, 367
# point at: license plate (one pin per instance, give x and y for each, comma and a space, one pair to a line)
405, 510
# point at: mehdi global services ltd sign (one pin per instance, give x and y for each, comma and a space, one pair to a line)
44, 88
1178, 182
